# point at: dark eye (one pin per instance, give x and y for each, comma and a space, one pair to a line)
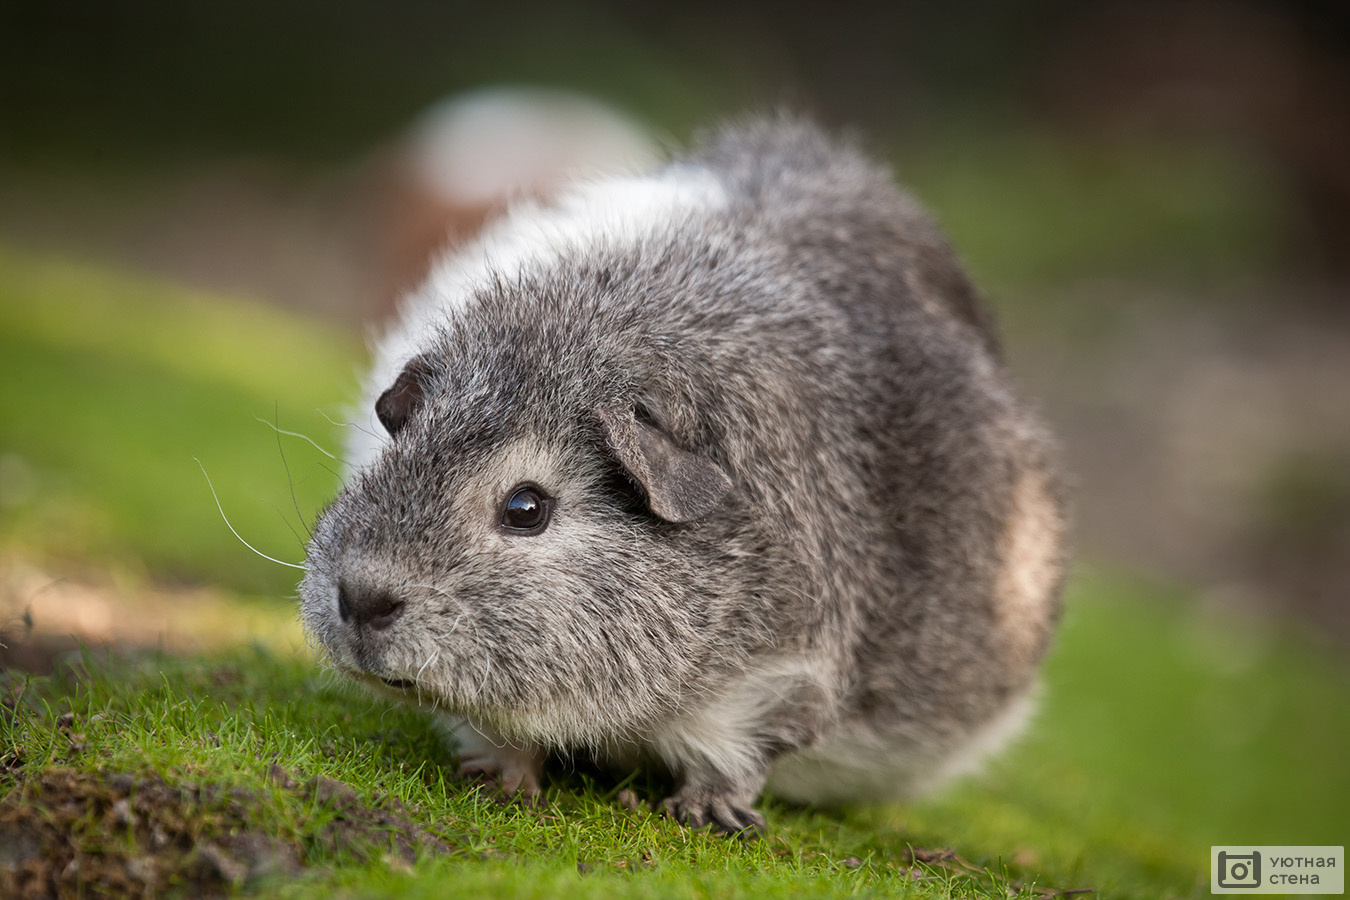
526, 510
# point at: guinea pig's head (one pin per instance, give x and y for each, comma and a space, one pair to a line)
532, 546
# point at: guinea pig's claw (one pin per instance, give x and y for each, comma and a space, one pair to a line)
724, 815
523, 785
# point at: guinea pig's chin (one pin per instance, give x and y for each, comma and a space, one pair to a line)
386, 685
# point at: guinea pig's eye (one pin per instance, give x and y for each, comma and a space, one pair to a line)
526, 510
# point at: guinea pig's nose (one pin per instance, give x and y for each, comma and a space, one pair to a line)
367, 606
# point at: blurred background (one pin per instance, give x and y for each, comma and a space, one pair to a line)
1155, 196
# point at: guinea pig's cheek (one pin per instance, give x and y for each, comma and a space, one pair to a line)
532, 550
562, 561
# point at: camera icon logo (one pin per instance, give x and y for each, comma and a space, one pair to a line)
1239, 870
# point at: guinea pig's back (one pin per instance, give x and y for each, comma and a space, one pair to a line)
956, 577
844, 223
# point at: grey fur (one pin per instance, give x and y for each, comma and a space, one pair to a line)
871, 584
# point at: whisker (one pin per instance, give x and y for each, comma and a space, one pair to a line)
303, 437
417, 679
240, 537
487, 670
298, 539
290, 481
435, 656
379, 437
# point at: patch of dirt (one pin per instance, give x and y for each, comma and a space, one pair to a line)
361, 829
66, 832
44, 618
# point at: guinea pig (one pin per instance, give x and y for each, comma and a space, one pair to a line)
719, 468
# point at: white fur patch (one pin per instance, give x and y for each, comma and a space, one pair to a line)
1030, 570
713, 736
859, 764
850, 764
613, 212
988, 740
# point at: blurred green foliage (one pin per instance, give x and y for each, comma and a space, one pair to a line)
947, 91
114, 385
143, 84
1031, 213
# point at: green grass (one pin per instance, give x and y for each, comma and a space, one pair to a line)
1162, 733
1164, 728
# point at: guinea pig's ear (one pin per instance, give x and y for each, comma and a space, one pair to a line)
401, 401
681, 486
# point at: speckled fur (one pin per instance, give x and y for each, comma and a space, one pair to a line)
869, 600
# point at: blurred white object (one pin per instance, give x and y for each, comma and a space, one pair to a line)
477, 149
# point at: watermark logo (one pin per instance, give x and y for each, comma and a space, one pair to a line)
1276, 870
1239, 870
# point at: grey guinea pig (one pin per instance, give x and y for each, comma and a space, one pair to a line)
716, 468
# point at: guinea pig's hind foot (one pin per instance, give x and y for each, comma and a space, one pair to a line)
700, 805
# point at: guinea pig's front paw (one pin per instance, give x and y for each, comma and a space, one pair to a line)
514, 770
699, 805
490, 758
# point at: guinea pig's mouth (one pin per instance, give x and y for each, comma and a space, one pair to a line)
401, 684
